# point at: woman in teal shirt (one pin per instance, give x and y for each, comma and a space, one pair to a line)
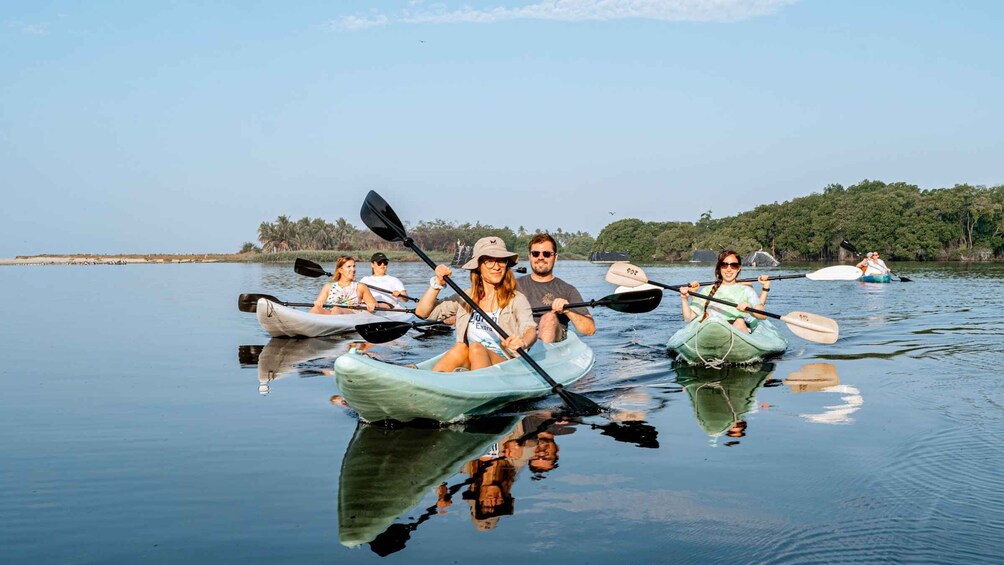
727, 272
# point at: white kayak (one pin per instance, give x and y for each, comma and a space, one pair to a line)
381, 391
283, 321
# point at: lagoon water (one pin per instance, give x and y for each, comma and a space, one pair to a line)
135, 428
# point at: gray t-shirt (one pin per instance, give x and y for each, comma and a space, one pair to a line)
544, 293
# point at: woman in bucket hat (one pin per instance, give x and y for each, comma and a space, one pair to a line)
493, 287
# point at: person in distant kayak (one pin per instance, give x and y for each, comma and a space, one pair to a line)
873, 264
727, 272
863, 264
343, 290
380, 279
493, 288
542, 288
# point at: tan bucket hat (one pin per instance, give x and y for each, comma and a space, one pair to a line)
489, 247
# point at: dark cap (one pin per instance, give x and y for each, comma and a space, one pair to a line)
378, 258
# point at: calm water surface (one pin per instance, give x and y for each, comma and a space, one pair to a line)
135, 427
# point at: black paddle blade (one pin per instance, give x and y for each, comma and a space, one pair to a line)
382, 332
637, 302
904, 279
309, 268
381, 219
636, 432
847, 245
577, 404
249, 302
248, 355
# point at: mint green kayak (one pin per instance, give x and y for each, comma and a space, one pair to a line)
722, 397
382, 391
883, 278
716, 342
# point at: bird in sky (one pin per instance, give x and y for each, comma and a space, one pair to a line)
611, 213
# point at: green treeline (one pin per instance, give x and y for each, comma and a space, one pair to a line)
308, 234
900, 220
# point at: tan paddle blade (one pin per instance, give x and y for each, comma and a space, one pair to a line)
814, 377
626, 274
812, 327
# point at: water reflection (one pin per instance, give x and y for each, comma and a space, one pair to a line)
386, 472
282, 357
822, 377
723, 397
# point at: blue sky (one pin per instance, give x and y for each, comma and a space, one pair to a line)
131, 127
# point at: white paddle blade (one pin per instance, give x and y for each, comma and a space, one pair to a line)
812, 327
835, 273
623, 289
625, 274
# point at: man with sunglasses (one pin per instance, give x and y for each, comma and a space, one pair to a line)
542, 288
380, 279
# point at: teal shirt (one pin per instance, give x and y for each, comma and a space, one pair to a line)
733, 293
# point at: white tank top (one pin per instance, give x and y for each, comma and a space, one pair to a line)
479, 331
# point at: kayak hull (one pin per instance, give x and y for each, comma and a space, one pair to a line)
282, 321
715, 341
381, 391
876, 278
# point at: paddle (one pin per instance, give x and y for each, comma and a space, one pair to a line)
812, 327
848, 246
629, 302
312, 269
835, 273
381, 219
249, 303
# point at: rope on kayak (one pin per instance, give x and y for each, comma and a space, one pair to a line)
714, 363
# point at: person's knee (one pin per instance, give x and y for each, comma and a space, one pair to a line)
547, 327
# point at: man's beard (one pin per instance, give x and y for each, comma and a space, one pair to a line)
537, 269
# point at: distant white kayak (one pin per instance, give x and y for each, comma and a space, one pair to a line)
283, 321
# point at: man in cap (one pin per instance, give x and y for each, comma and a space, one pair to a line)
542, 288
380, 279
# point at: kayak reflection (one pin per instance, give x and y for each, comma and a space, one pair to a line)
386, 472
822, 377
282, 357
723, 397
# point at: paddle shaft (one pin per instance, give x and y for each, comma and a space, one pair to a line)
311, 304
409, 243
718, 300
773, 278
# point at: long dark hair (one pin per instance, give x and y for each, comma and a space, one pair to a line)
718, 278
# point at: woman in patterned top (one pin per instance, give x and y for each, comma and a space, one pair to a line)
343, 290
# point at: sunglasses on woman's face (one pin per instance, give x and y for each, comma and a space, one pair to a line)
546, 254
730, 264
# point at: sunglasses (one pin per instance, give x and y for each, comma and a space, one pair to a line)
546, 254
504, 261
730, 264
381, 262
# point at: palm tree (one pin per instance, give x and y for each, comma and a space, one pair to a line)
268, 237
322, 234
285, 231
343, 233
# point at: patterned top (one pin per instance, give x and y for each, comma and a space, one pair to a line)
342, 295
